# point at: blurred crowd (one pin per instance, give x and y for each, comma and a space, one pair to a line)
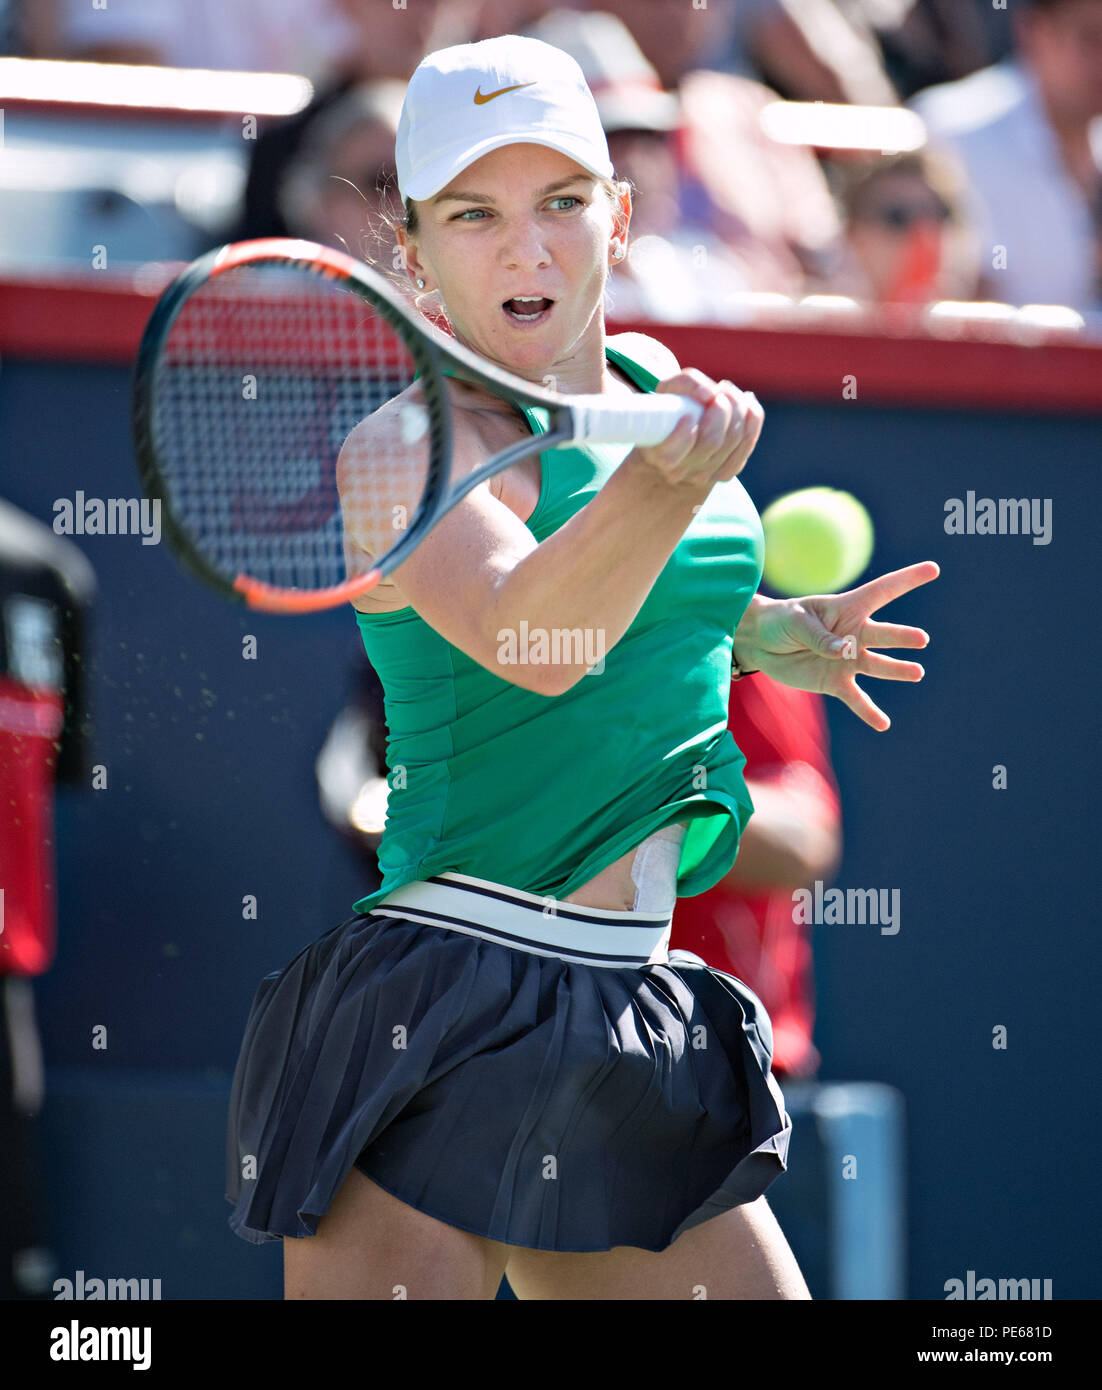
997, 197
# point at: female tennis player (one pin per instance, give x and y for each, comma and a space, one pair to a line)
496, 1065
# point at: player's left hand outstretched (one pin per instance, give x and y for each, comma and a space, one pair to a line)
823, 641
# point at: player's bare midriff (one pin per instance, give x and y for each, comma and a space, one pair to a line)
518, 487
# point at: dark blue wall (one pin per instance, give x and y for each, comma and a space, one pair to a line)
998, 914
212, 796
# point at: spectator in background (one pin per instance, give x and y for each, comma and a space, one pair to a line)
675, 38
303, 36
675, 272
334, 189
769, 203
13, 36
762, 207
941, 40
1027, 131
908, 240
488, 18
47, 588
817, 50
384, 43
745, 923
869, 52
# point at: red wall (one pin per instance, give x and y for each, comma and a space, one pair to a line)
95, 318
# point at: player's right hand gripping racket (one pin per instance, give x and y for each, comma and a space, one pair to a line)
257, 362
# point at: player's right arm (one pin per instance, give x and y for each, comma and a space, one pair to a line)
480, 572
453, 576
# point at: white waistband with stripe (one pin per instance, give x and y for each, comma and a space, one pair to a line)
543, 925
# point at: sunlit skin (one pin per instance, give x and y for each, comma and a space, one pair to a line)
524, 219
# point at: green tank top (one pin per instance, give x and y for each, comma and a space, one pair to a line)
541, 792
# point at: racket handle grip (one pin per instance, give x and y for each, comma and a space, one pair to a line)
647, 420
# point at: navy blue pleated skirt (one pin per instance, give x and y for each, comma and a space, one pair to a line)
527, 1098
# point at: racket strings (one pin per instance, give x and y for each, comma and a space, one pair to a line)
264, 373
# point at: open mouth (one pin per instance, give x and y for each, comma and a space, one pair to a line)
527, 309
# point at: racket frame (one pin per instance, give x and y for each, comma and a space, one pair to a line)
429, 347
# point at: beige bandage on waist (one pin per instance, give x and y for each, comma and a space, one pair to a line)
654, 870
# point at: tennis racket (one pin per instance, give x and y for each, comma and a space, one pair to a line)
255, 365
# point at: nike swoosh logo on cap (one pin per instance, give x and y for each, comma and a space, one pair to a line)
481, 100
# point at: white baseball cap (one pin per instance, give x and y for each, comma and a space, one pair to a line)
465, 101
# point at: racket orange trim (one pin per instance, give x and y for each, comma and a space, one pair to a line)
245, 252
267, 598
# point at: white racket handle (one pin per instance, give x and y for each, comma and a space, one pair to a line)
647, 420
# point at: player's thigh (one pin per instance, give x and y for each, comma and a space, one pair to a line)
741, 1253
370, 1245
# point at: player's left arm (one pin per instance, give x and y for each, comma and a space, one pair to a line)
822, 641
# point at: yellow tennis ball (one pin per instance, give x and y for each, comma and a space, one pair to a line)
817, 541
